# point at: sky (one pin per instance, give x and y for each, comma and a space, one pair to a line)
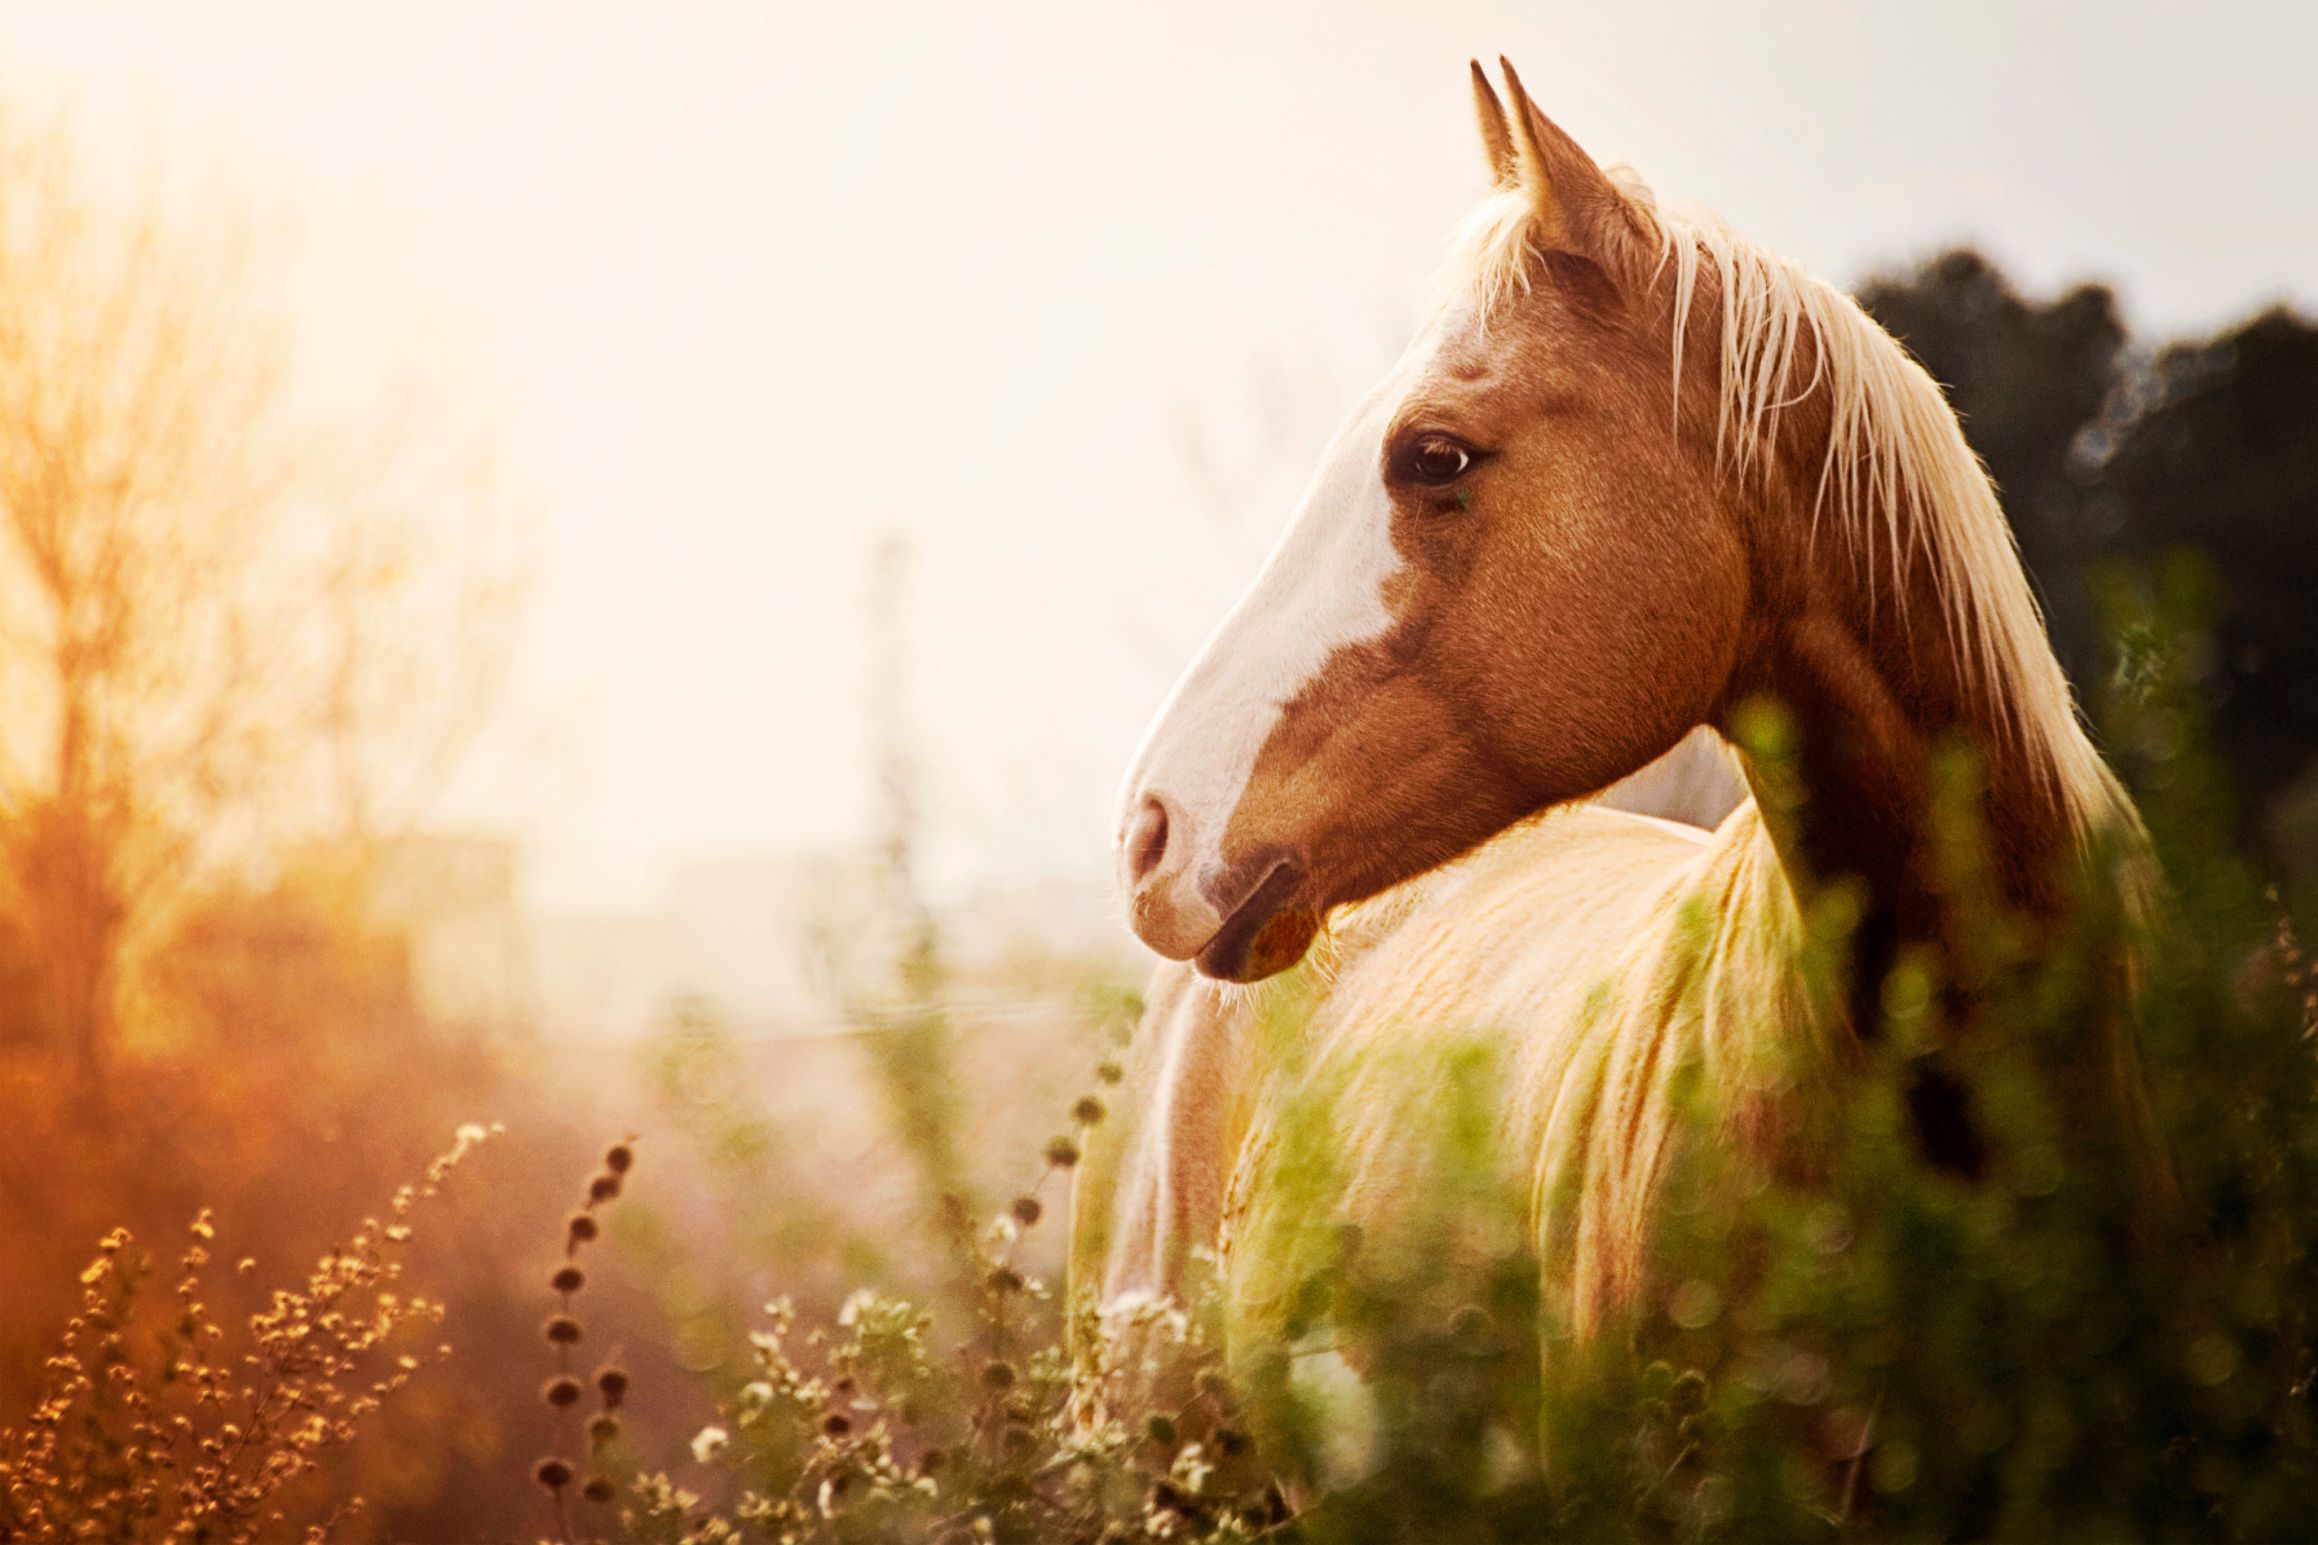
1068, 297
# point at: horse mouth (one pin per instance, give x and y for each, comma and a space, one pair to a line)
1268, 932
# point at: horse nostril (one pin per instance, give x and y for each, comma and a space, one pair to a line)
1146, 841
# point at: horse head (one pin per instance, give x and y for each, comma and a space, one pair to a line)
1508, 585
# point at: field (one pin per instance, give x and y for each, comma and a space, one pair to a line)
575, 589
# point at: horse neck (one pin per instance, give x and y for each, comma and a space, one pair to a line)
1876, 687
1855, 639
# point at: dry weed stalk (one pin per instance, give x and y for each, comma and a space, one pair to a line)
189, 1441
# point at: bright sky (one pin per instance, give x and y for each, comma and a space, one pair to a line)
743, 285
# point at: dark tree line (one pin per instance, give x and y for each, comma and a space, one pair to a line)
2107, 451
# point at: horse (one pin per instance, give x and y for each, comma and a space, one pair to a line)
1634, 477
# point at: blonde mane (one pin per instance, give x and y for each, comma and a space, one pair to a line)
1898, 471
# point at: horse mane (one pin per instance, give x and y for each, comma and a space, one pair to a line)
1898, 471
1668, 1009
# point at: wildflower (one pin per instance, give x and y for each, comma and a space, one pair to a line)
552, 1472
618, 1157
612, 1384
1062, 1153
599, 1489
1160, 1428
583, 1228
603, 1188
1005, 1279
568, 1279
560, 1391
998, 1373
562, 1329
709, 1442
1027, 1210
603, 1428
836, 1424
1109, 1071
1088, 1110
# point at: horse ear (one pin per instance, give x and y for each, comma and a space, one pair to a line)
1496, 133
1578, 208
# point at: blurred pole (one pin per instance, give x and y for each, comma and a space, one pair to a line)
893, 755
910, 1038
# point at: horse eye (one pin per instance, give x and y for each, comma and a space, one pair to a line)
1438, 460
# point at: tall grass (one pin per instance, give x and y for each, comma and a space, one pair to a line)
2104, 1331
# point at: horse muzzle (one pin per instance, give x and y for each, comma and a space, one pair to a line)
1236, 922
1266, 930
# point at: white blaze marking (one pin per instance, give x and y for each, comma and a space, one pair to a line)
1321, 590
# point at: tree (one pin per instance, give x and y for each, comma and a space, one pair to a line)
192, 577
2107, 455
2222, 457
